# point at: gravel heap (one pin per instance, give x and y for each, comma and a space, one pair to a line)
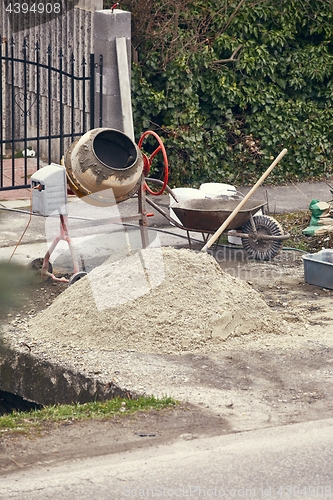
155, 301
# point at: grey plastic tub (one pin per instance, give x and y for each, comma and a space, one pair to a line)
318, 268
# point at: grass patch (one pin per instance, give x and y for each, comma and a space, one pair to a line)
26, 422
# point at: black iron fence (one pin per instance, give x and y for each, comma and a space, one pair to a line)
47, 100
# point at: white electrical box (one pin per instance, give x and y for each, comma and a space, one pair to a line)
49, 190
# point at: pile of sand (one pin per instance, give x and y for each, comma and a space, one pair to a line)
156, 301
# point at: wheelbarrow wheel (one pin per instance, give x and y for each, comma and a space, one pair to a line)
35, 266
261, 249
76, 277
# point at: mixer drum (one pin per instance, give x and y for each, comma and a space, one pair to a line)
104, 166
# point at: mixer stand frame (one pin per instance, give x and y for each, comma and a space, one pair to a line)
45, 267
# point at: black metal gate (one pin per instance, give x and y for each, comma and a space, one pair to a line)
42, 104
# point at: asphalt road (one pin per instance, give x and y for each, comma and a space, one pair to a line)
293, 461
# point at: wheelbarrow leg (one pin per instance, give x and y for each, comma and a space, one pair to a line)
205, 237
254, 227
189, 239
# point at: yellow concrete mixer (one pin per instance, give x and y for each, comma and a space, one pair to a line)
104, 167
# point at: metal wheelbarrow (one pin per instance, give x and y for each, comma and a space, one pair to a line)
261, 235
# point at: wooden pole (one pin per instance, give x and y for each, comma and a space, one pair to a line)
233, 214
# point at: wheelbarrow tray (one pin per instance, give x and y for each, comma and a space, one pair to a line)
207, 214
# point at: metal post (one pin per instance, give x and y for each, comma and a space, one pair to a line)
72, 97
100, 122
61, 104
38, 104
84, 127
13, 108
143, 212
49, 109
92, 91
25, 110
3, 102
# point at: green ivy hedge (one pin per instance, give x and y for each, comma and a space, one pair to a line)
224, 121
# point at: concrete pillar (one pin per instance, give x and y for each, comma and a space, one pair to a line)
112, 40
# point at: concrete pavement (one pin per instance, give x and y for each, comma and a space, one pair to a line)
226, 466
293, 196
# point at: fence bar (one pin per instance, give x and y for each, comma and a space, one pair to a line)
100, 90
43, 137
92, 91
12, 43
72, 98
61, 104
84, 94
18, 186
2, 152
25, 110
49, 107
38, 104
